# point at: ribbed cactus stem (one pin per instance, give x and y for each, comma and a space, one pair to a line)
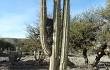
54, 59
66, 25
43, 19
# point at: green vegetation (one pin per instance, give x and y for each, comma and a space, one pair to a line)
5, 45
28, 45
85, 28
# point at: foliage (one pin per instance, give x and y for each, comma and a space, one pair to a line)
5, 45
82, 29
28, 45
34, 34
105, 12
87, 27
104, 34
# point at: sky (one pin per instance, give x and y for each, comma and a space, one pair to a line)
16, 14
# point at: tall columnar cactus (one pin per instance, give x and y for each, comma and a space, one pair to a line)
58, 42
55, 47
66, 24
43, 19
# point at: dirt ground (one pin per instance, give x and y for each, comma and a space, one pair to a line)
79, 62
29, 63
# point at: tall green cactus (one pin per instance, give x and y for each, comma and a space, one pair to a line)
43, 19
66, 24
55, 47
57, 39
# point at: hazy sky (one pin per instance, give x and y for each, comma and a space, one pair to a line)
15, 14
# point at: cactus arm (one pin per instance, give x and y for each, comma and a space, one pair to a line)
54, 59
66, 25
39, 57
43, 18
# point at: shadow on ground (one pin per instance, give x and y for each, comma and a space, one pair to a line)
23, 65
103, 64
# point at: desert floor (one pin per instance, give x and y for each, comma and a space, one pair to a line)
29, 63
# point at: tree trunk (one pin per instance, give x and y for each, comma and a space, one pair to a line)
100, 54
85, 56
55, 46
43, 18
64, 49
98, 57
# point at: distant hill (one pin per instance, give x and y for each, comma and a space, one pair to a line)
13, 40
